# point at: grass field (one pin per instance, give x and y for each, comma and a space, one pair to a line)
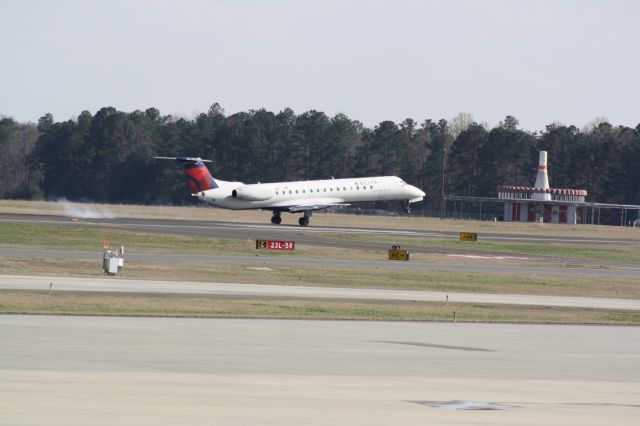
627, 253
84, 238
585, 286
180, 306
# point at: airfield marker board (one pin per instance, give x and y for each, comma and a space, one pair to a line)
276, 245
468, 236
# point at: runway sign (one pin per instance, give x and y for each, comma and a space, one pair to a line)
468, 236
275, 245
396, 254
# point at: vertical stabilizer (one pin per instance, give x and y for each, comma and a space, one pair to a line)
198, 176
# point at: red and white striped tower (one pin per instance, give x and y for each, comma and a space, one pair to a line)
542, 192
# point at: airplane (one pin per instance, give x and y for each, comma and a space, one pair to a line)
293, 197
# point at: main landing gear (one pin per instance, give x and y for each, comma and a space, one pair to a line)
304, 220
276, 219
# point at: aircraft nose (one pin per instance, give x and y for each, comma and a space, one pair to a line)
416, 192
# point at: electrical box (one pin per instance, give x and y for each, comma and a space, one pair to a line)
113, 261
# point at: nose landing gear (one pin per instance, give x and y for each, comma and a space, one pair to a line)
407, 207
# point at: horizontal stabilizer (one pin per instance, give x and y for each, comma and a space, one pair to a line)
184, 159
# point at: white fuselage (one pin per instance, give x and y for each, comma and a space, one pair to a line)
312, 193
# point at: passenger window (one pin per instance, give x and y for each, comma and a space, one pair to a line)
290, 192
344, 188
296, 191
371, 187
331, 189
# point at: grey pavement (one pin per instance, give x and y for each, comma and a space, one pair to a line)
159, 371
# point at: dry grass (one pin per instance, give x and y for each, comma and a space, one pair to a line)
628, 253
86, 237
330, 219
68, 303
627, 288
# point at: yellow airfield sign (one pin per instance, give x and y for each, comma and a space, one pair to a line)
397, 254
468, 236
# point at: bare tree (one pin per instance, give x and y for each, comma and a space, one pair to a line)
460, 123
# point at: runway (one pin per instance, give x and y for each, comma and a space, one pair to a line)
118, 285
306, 235
159, 371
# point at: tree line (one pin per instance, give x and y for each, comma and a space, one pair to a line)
108, 156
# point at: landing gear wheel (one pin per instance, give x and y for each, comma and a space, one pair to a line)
303, 221
276, 219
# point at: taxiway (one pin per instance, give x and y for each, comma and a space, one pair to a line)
64, 370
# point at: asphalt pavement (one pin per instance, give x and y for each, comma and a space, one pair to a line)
65, 370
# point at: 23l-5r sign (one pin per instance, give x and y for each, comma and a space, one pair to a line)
275, 245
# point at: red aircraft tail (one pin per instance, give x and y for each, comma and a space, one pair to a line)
198, 176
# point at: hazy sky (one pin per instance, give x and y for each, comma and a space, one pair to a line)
542, 61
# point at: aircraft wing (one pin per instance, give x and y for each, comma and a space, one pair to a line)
294, 206
301, 208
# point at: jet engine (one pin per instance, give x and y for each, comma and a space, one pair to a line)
253, 192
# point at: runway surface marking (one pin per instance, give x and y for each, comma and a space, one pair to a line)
431, 345
477, 256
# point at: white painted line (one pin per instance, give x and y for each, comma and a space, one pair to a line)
474, 256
